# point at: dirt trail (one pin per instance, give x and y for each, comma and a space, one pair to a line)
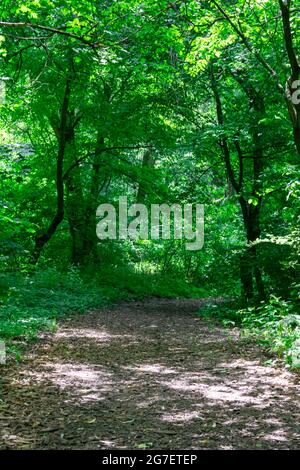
147, 375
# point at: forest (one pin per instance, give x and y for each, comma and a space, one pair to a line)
180, 330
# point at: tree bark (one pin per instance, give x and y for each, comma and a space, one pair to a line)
41, 240
90, 238
287, 92
249, 266
293, 108
285, 6
148, 162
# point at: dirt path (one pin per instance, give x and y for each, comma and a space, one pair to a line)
147, 375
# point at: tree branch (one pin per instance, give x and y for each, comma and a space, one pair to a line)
288, 39
104, 149
49, 29
251, 49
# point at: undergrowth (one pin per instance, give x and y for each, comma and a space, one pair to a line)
274, 324
33, 303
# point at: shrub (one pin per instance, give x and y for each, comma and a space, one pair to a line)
275, 324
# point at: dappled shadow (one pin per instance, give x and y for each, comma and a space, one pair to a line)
150, 374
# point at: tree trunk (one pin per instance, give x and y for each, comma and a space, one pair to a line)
75, 210
293, 108
90, 237
249, 265
148, 162
41, 240
250, 260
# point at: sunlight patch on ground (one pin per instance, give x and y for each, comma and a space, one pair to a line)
212, 392
278, 435
107, 444
99, 335
86, 382
152, 369
90, 383
181, 417
255, 368
240, 389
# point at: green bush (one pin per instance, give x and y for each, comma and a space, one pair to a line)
33, 303
140, 283
274, 324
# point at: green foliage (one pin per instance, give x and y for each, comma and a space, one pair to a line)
274, 324
140, 283
33, 303
164, 102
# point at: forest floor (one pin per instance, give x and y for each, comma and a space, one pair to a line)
147, 374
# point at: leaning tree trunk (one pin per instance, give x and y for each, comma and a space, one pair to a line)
43, 239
